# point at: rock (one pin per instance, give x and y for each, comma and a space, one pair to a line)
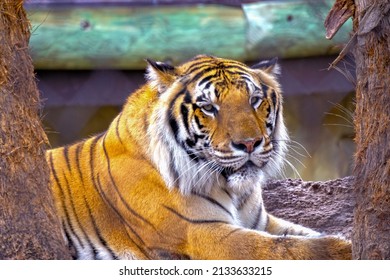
323, 206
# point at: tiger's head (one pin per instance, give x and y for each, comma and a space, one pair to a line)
217, 122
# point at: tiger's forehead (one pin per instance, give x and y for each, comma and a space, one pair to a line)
211, 78
213, 87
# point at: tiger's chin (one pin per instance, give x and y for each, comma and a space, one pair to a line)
245, 178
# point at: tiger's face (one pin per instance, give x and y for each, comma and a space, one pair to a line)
224, 114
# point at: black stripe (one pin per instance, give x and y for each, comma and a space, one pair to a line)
79, 225
215, 202
95, 251
187, 97
62, 198
79, 147
98, 234
124, 221
236, 69
265, 89
91, 163
117, 128
192, 221
232, 67
197, 137
197, 65
201, 98
72, 249
208, 85
227, 66
181, 92
98, 187
105, 198
226, 172
243, 200
116, 187
78, 155
243, 75
276, 121
184, 113
257, 218
268, 109
193, 157
174, 126
203, 72
273, 98
207, 80
228, 193
196, 118
124, 202
276, 108
91, 157
190, 143
171, 117
66, 156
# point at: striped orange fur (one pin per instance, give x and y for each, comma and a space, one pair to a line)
178, 173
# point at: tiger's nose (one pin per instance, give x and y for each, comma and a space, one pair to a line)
248, 145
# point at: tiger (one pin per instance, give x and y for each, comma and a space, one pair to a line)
179, 172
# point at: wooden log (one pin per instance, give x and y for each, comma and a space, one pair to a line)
290, 29
144, 2
121, 37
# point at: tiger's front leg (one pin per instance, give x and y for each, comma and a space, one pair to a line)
263, 221
224, 241
279, 226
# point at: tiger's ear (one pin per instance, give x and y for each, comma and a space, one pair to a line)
269, 66
160, 74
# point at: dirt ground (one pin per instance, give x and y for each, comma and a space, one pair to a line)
324, 206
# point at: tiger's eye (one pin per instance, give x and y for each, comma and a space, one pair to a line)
254, 100
208, 108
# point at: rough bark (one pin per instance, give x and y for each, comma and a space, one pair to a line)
29, 228
371, 234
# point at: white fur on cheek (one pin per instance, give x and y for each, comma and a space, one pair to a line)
170, 158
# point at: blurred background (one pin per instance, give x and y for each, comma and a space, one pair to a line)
89, 55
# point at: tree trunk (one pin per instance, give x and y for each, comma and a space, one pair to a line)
29, 228
371, 233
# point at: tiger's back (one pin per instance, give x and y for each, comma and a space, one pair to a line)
178, 173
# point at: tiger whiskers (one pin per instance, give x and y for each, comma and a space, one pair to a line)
345, 115
205, 183
296, 159
299, 150
194, 175
213, 169
280, 169
217, 169
342, 117
294, 146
